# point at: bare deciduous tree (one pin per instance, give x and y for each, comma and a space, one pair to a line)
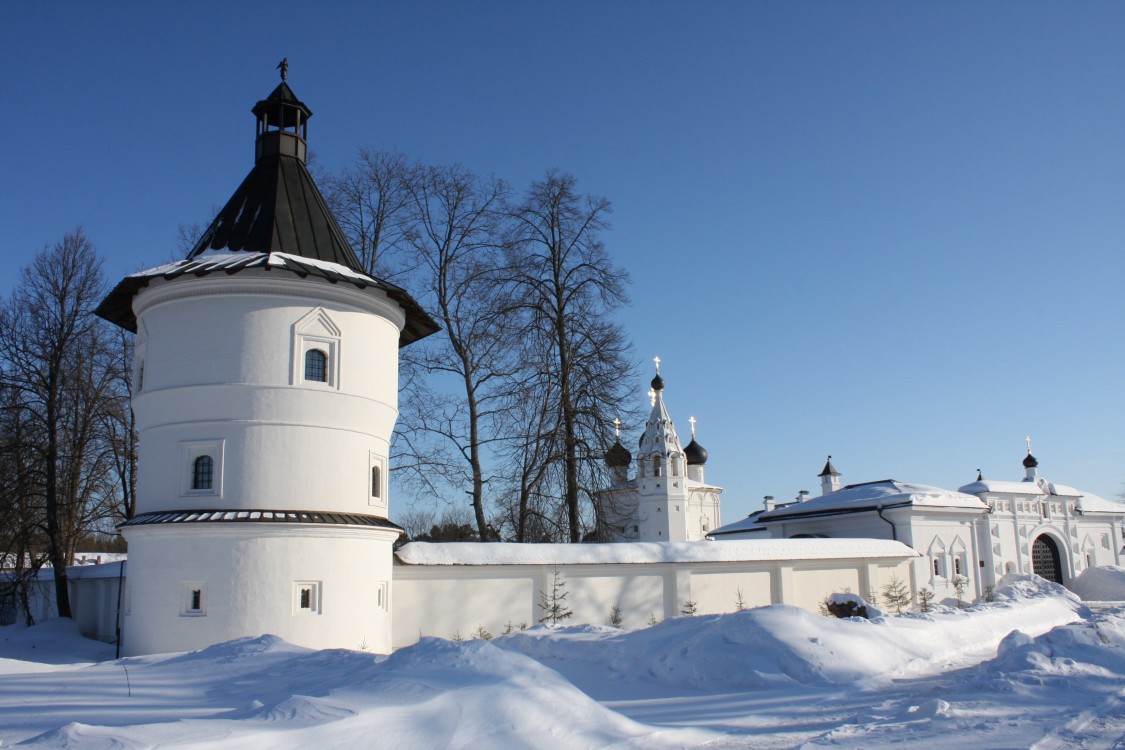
51, 349
569, 288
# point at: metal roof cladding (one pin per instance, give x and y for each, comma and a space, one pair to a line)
277, 209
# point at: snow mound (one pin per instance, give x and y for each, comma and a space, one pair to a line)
56, 641
76, 736
1101, 584
1093, 647
784, 645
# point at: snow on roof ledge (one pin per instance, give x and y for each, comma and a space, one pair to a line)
626, 553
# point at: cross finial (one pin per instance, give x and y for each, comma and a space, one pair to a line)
692, 420
656, 361
283, 66
617, 427
652, 396
1028, 441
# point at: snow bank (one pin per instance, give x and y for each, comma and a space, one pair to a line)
780, 644
54, 642
1101, 584
743, 550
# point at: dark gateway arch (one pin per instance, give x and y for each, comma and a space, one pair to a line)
1045, 559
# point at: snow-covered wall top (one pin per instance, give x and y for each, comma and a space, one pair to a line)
871, 495
501, 553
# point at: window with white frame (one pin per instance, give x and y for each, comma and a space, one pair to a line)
193, 600
316, 350
201, 464
306, 598
377, 480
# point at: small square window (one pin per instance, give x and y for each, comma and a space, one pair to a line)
193, 595
306, 598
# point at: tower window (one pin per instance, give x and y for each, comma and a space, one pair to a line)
202, 473
937, 566
196, 599
306, 598
656, 466
376, 482
316, 366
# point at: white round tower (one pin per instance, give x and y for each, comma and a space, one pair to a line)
266, 392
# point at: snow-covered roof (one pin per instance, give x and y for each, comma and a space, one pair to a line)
742, 524
992, 485
624, 553
873, 495
1087, 502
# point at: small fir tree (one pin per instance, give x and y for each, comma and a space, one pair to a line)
553, 604
615, 618
925, 599
989, 594
509, 627
960, 583
739, 602
458, 637
896, 594
689, 608
652, 619
482, 634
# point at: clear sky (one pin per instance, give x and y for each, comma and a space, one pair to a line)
892, 232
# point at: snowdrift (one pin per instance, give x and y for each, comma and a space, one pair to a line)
1101, 584
780, 644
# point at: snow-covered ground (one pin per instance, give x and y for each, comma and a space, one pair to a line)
1036, 668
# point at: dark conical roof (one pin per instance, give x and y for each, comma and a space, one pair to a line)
278, 209
829, 469
695, 453
1030, 462
618, 455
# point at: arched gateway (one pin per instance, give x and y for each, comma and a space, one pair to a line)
1045, 560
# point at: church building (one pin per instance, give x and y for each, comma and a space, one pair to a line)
668, 500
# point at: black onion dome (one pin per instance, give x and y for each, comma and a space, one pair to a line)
1030, 462
658, 383
696, 454
618, 455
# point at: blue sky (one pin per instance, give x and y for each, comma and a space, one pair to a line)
892, 232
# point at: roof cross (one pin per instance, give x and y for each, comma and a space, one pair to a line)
1028, 441
692, 420
656, 360
617, 426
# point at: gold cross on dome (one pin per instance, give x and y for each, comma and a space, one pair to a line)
1028, 441
656, 360
692, 420
617, 426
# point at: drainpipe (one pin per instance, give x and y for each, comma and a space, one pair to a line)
120, 586
894, 531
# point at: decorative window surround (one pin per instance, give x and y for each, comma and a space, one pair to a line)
189, 452
315, 331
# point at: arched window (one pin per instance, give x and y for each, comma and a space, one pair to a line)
656, 466
937, 566
316, 366
202, 473
376, 482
